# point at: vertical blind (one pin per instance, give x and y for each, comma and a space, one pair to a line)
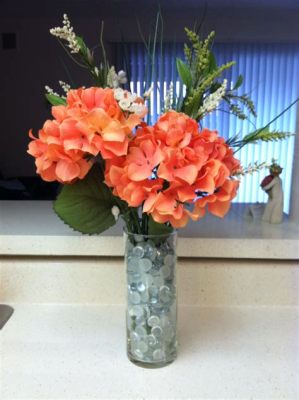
271, 79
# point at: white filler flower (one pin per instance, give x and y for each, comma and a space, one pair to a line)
212, 101
67, 33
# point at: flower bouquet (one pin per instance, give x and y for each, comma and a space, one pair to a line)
112, 165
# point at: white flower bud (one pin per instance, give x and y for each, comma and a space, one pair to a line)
212, 101
51, 91
122, 77
121, 74
65, 86
138, 109
118, 94
112, 78
66, 33
131, 97
122, 81
124, 104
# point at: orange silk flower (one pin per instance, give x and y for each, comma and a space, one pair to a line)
174, 171
91, 123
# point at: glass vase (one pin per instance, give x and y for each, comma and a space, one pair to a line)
151, 299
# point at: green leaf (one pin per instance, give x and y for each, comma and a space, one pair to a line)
154, 228
212, 62
82, 45
194, 102
265, 135
55, 100
184, 73
238, 82
86, 204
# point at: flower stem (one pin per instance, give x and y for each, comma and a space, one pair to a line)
135, 220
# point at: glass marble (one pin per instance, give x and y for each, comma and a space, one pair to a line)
140, 330
145, 296
136, 311
152, 340
153, 321
157, 331
134, 298
145, 264
166, 271
165, 294
138, 251
158, 354
140, 286
132, 264
134, 337
142, 346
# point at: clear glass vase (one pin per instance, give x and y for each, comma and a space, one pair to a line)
151, 299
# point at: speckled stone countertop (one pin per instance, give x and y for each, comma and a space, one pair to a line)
31, 228
70, 352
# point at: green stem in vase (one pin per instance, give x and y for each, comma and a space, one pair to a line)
144, 224
135, 220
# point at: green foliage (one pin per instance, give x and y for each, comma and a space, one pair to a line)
150, 43
237, 111
158, 229
200, 53
184, 73
233, 140
265, 135
188, 54
200, 74
231, 98
194, 100
238, 83
55, 100
85, 59
83, 48
262, 134
99, 73
86, 204
212, 62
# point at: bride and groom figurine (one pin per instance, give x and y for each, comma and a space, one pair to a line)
272, 185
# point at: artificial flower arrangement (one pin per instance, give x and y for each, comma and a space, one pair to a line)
155, 177
113, 164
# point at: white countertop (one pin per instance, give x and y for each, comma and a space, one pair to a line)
78, 352
32, 228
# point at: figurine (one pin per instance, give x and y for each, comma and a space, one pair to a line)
272, 185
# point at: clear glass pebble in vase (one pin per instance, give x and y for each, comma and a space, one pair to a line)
151, 299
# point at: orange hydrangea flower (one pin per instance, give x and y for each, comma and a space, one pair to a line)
176, 129
174, 171
91, 123
54, 162
132, 176
219, 202
164, 207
